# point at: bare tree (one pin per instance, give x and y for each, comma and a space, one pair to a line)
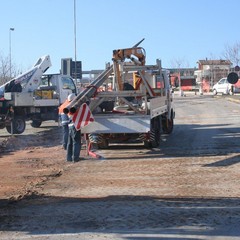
232, 53
179, 63
5, 69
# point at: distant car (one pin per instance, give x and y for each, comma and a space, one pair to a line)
224, 87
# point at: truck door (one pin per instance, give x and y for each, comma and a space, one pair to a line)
67, 87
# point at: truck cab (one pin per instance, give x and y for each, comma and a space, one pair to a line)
61, 85
38, 105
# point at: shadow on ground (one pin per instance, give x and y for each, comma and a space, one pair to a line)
38, 215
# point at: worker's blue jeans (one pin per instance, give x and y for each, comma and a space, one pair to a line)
74, 144
65, 136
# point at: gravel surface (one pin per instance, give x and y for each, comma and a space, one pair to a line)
188, 188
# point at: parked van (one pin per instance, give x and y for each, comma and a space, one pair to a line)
224, 87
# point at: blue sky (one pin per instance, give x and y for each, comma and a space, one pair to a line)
174, 30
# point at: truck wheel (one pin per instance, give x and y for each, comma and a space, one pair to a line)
18, 124
156, 141
155, 132
36, 124
167, 126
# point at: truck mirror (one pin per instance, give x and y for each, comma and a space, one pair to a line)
232, 77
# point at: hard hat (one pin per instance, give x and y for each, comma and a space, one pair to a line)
71, 97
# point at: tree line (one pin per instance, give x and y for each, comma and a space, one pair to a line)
6, 70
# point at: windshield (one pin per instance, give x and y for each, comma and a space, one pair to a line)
68, 83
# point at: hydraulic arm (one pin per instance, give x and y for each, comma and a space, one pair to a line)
135, 54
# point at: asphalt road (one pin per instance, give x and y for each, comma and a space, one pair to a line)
188, 188
205, 125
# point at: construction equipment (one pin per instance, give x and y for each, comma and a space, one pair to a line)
28, 81
33, 96
87, 93
138, 105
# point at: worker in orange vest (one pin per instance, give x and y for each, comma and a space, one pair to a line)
64, 119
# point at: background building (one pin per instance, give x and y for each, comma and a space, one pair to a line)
211, 71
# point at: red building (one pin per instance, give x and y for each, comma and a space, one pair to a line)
183, 78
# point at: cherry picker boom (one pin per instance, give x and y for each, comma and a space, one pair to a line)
33, 95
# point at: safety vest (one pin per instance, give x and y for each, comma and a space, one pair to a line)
63, 117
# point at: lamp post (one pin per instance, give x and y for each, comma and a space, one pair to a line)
10, 53
75, 41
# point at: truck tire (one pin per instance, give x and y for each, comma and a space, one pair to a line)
18, 124
36, 124
167, 125
154, 140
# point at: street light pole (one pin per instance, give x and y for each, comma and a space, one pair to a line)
10, 51
75, 41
